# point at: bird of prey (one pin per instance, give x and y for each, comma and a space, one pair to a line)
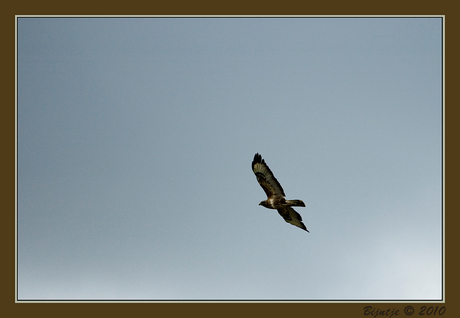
275, 194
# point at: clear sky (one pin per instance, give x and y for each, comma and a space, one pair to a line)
135, 143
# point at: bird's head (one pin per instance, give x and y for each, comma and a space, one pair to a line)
263, 203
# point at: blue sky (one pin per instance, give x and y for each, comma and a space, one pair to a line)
135, 143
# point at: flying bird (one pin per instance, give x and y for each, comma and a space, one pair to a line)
275, 194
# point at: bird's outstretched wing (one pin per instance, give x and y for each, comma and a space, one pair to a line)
266, 178
291, 216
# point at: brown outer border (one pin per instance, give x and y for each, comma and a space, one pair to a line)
206, 8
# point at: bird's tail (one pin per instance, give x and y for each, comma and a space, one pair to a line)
295, 203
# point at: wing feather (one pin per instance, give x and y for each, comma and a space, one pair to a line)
265, 177
291, 216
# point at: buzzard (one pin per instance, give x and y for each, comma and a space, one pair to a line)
276, 194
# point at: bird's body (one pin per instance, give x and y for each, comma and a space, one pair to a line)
276, 203
275, 193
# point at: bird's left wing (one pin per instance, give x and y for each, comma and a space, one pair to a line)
266, 178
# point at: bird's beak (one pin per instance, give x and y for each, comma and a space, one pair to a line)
260, 203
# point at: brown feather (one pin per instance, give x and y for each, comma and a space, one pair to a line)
265, 177
292, 216
275, 193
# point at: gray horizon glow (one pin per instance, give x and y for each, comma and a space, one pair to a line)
136, 137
